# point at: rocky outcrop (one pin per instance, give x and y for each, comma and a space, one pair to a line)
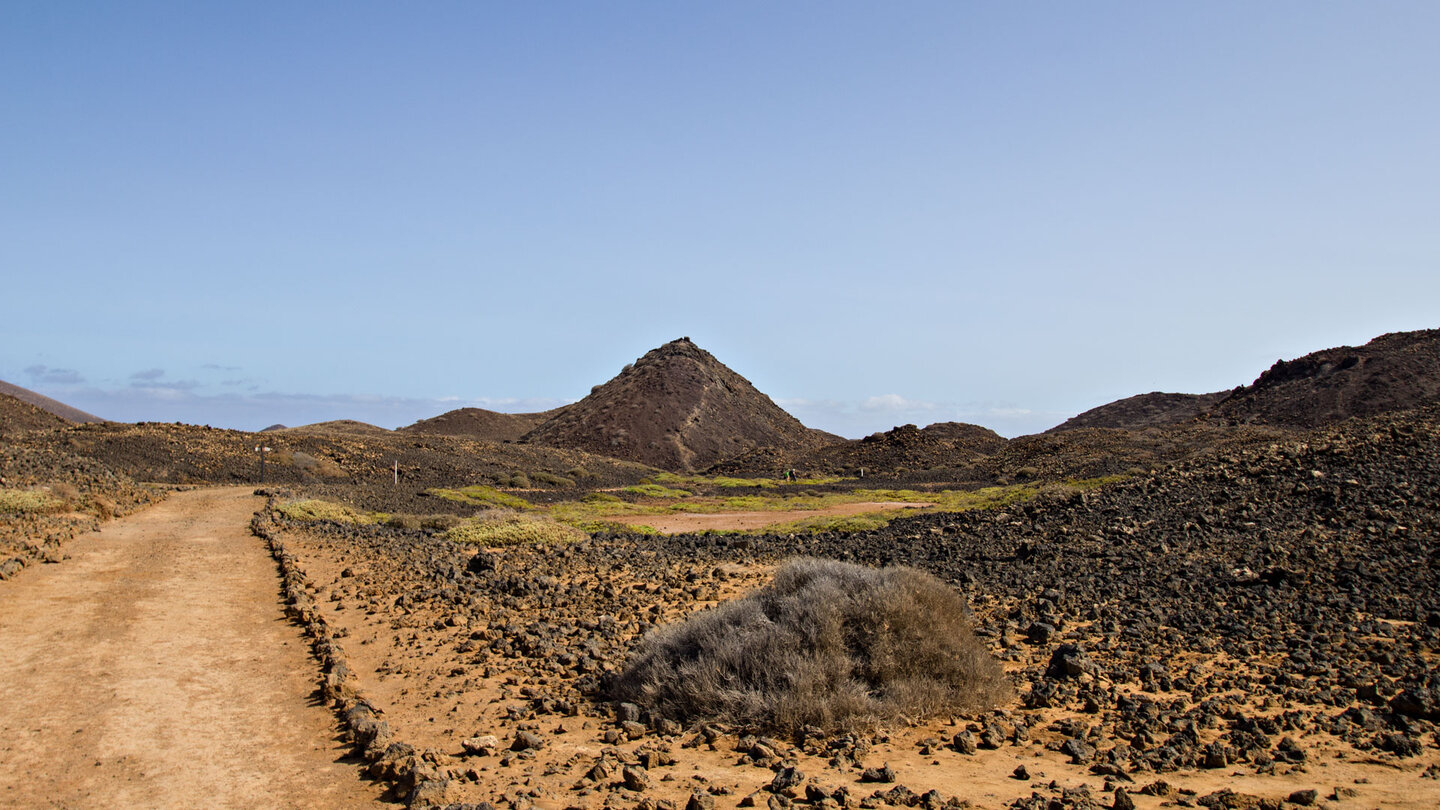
1393, 372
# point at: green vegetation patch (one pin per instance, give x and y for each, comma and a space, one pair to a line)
513, 530
315, 510
657, 491
552, 480
729, 482
478, 495
28, 501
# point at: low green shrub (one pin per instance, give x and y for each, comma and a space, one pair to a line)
480, 495
656, 491
552, 480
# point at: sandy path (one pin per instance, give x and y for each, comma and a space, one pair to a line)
155, 669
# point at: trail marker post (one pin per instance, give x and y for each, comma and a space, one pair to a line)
262, 451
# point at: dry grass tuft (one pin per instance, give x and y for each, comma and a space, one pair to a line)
29, 501
827, 644
317, 510
503, 527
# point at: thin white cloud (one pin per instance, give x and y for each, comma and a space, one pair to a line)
895, 402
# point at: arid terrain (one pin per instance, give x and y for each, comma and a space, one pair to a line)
1224, 601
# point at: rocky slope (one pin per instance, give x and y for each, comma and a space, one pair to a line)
1155, 409
353, 466
47, 404
895, 451
676, 408
18, 417
1393, 372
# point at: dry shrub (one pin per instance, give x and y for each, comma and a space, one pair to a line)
826, 643
440, 522
406, 522
504, 527
66, 492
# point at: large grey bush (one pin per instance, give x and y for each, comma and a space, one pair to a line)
826, 643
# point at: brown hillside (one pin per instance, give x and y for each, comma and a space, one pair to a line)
1393, 372
47, 404
20, 417
1155, 409
478, 423
677, 408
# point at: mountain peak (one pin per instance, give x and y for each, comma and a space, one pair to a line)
677, 408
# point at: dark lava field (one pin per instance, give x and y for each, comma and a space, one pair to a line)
1265, 614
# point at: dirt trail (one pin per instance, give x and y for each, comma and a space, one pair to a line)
155, 668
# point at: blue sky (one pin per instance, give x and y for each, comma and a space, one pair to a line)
1003, 213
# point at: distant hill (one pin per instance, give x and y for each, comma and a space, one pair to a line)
941, 445
47, 404
1393, 372
346, 426
478, 423
676, 408
1155, 409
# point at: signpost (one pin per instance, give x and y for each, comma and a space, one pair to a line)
262, 451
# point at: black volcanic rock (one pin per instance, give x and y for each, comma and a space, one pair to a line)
677, 408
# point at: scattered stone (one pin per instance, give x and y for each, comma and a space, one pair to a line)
883, 774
